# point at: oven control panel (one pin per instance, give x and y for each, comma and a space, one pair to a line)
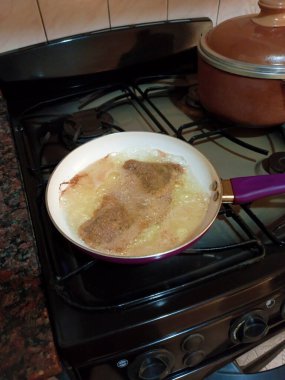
187, 349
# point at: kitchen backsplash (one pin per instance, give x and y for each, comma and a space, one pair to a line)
231, 8
28, 22
178, 9
126, 12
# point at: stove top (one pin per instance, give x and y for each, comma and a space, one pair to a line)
92, 302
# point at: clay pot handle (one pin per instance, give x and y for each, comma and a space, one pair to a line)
272, 13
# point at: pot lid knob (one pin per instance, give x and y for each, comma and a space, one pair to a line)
272, 13
273, 4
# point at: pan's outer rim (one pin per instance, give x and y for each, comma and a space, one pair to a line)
135, 259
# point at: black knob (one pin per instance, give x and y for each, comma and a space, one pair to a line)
249, 328
153, 365
193, 342
194, 358
282, 311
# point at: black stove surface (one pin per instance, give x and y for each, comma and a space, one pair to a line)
48, 133
99, 309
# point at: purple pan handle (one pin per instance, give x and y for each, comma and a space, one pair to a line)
249, 189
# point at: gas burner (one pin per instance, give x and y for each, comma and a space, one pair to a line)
274, 163
279, 232
189, 103
192, 97
83, 126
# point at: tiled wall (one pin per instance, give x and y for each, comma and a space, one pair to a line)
125, 12
20, 24
231, 8
63, 18
27, 22
178, 9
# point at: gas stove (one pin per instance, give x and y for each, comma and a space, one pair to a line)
178, 318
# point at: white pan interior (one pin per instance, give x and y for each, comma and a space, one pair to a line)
98, 148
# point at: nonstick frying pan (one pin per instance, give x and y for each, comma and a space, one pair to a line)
235, 190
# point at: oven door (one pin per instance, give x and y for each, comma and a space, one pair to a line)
264, 362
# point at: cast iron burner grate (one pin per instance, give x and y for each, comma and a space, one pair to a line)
88, 284
78, 279
275, 163
96, 285
83, 126
77, 128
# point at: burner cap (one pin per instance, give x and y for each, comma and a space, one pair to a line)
192, 97
189, 103
275, 163
83, 126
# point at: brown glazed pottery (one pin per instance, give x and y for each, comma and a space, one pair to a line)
241, 68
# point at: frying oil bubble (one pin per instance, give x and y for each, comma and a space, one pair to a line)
157, 221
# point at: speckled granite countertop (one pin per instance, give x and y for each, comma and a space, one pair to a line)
27, 349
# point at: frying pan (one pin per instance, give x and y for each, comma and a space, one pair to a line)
235, 190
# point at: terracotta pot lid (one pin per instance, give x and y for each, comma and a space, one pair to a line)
250, 45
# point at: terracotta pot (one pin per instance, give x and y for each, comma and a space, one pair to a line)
241, 68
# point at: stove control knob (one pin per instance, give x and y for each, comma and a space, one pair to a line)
194, 358
153, 365
250, 328
193, 342
282, 310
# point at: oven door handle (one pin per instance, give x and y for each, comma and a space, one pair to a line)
233, 372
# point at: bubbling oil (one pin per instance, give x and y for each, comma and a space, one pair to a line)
158, 221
